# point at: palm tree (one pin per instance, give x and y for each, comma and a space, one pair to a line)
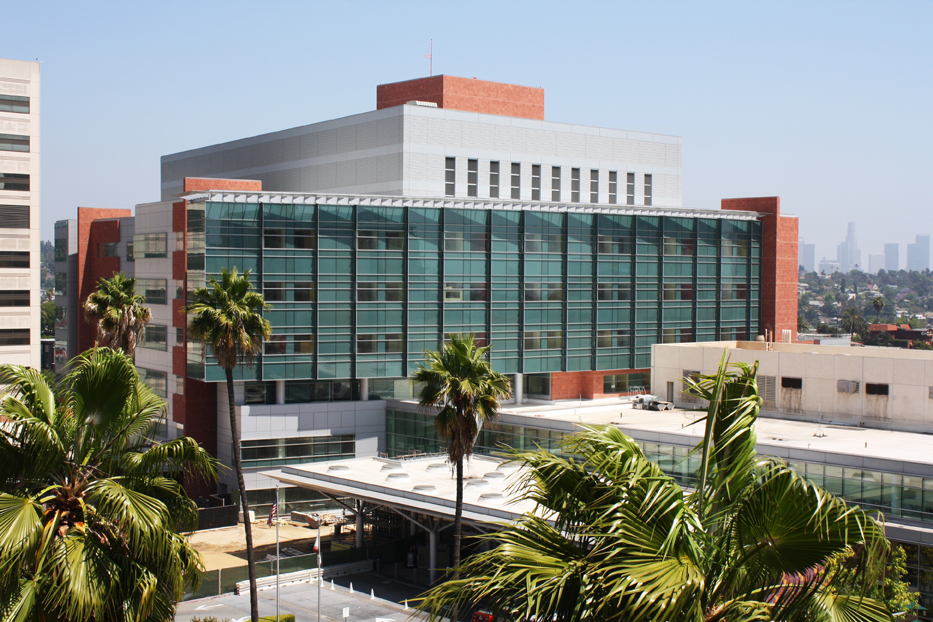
459, 380
119, 313
878, 304
227, 317
852, 322
615, 539
91, 511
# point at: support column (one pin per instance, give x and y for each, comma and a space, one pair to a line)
364, 389
359, 525
279, 391
432, 555
517, 387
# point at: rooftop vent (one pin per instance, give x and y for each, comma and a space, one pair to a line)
398, 478
338, 468
478, 483
415, 102
437, 466
425, 488
391, 467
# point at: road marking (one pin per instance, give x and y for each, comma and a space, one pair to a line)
385, 619
207, 607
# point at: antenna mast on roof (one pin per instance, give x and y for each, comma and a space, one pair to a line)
430, 57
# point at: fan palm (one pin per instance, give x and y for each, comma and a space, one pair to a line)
227, 317
852, 322
90, 505
616, 539
119, 313
459, 380
878, 304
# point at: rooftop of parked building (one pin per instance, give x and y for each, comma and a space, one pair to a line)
807, 348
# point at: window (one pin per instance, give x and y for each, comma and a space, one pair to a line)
154, 290
687, 392
535, 182
14, 142
647, 189
555, 183
678, 291
615, 245
543, 292
180, 337
544, 340
391, 343
465, 292
544, 243
516, 180
450, 177
61, 282
611, 292
155, 380
259, 392
15, 298
873, 388
14, 103
847, 386
472, 177
630, 189
61, 249
465, 241
537, 385
14, 181
594, 186
274, 291
107, 249
479, 339
14, 336
149, 245
155, 337
380, 240
273, 238
625, 383
289, 344
283, 451
179, 289
735, 248
494, 180
14, 259
613, 187
574, 185
678, 247
130, 253
677, 335
613, 339
380, 291
734, 291
791, 383
303, 291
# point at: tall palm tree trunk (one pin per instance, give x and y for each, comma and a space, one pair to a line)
237, 465
458, 516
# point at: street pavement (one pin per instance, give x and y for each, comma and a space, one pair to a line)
301, 600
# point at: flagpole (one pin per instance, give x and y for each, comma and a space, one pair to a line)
320, 568
277, 556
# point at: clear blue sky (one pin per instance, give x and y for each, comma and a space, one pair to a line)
827, 104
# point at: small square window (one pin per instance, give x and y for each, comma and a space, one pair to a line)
791, 383
874, 388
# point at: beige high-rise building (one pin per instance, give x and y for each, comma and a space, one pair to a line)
20, 293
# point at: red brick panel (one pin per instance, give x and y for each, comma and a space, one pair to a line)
465, 94
201, 413
180, 215
179, 264
179, 361
200, 184
94, 227
178, 408
778, 263
178, 318
584, 384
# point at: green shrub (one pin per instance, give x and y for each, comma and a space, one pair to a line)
285, 617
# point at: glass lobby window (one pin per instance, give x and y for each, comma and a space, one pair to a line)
465, 241
14, 259
494, 180
14, 142
14, 103
283, 451
472, 177
544, 339
623, 383
535, 182
630, 189
647, 189
380, 291
612, 292
613, 187
148, 245
555, 183
537, 385
450, 176
574, 185
516, 180
544, 292
613, 339
594, 186
380, 240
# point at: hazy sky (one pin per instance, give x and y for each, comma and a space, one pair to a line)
826, 104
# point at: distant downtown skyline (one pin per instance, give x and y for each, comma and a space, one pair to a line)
849, 255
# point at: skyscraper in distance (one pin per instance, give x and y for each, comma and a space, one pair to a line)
892, 257
918, 254
806, 255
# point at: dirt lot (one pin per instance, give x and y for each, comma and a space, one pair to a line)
224, 548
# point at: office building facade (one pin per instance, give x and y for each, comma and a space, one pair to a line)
20, 267
918, 254
892, 257
806, 255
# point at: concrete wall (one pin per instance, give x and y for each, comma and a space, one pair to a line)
909, 376
21, 79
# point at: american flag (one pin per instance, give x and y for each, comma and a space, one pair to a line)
273, 513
